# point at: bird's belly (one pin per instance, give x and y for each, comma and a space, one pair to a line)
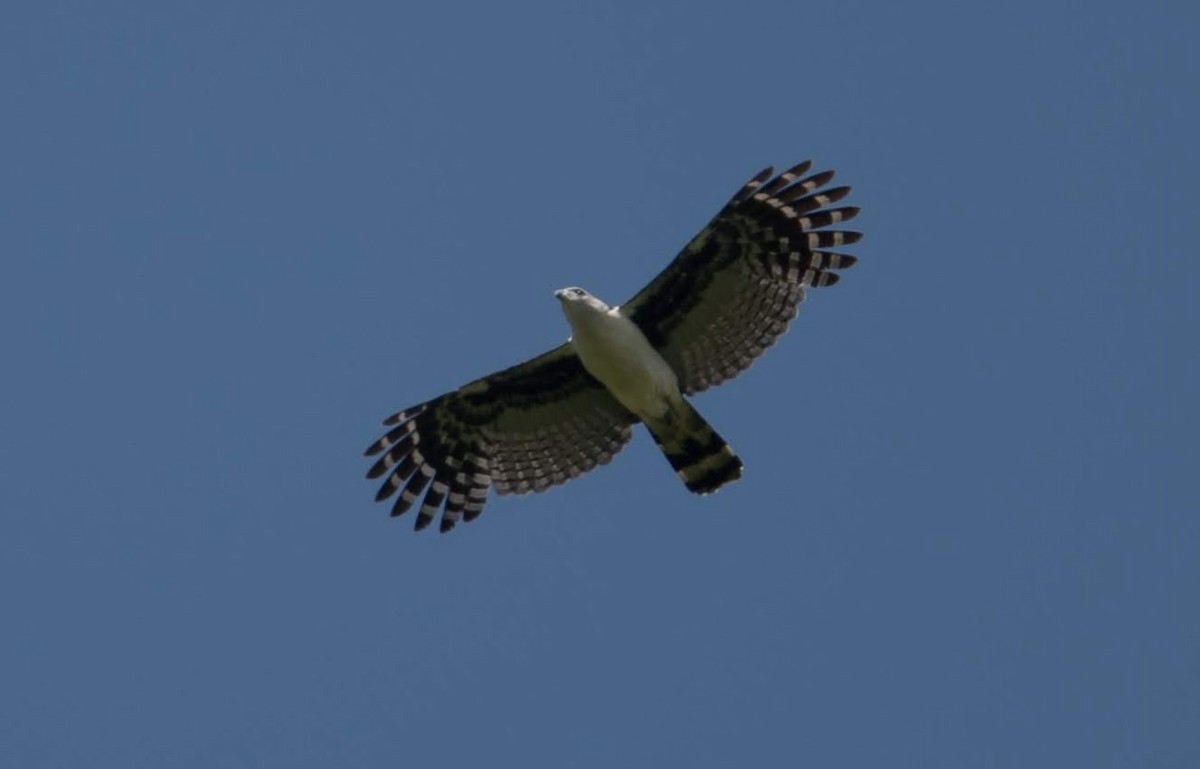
616, 352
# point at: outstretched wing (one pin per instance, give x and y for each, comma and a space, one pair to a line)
735, 287
526, 428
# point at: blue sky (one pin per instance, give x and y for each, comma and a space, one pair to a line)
236, 237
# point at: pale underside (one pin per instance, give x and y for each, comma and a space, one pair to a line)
616, 352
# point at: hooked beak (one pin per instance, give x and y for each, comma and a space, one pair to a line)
560, 294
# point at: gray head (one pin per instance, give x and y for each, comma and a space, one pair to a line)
575, 299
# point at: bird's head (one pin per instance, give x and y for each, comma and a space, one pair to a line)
577, 296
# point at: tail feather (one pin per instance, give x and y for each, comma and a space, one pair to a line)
701, 458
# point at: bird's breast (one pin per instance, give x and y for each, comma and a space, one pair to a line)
615, 351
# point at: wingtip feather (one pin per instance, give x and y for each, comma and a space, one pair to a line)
799, 169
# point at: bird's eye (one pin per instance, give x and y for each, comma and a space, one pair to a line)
577, 291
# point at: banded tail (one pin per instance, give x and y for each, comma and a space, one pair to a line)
701, 458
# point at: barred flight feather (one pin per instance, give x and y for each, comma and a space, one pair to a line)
523, 429
735, 287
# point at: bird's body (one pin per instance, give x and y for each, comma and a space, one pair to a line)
616, 352
728, 295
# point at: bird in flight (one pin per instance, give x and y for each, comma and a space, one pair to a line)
716, 307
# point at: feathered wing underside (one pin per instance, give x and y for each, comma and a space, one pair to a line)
526, 428
736, 286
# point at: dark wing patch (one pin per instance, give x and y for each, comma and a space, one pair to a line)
736, 286
526, 428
